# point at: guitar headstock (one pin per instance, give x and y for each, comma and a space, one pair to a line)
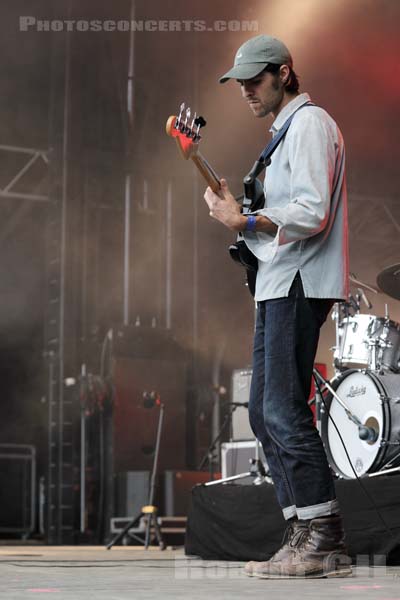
185, 130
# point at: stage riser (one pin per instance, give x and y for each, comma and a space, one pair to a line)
236, 522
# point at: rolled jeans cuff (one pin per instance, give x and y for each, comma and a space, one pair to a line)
289, 512
318, 510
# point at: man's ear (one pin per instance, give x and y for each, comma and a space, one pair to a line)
284, 73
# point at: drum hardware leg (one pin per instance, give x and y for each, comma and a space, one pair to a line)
385, 472
385, 468
389, 464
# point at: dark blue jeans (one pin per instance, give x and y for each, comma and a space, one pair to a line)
285, 344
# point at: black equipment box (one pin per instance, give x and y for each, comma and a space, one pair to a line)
17, 489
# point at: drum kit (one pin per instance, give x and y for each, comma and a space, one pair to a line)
358, 411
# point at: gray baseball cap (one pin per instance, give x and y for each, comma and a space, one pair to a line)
255, 54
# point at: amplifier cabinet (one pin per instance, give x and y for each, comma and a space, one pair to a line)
17, 488
241, 381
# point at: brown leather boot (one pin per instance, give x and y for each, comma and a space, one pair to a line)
321, 554
295, 532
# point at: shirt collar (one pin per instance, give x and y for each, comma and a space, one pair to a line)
288, 110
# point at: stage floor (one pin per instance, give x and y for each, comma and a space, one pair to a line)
129, 573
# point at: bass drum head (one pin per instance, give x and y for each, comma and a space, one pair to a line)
360, 392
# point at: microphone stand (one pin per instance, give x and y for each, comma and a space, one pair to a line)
209, 454
257, 469
149, 511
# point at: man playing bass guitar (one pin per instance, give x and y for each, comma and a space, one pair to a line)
300, 241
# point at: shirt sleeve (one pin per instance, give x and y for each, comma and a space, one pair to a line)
312, 157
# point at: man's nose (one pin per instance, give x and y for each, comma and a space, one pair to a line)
246, 89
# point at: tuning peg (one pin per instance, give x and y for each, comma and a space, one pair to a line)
179, 118
188, 111
192, 124
199, 122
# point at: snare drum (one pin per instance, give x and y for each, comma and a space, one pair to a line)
375, 400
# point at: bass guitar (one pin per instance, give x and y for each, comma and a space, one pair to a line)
186, 131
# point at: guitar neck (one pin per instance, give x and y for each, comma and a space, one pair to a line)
207, 171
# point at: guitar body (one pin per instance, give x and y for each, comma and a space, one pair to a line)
254, 199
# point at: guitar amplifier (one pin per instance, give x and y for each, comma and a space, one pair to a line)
241, 381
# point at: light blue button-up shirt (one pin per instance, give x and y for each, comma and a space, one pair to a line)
305, 196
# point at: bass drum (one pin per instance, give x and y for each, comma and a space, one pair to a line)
375, 400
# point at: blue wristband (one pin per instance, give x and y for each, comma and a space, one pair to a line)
251, 223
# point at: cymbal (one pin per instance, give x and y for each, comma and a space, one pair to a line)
388, 281
366, 286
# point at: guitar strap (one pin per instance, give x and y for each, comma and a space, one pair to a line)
239, 252
276, 140
253, 198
